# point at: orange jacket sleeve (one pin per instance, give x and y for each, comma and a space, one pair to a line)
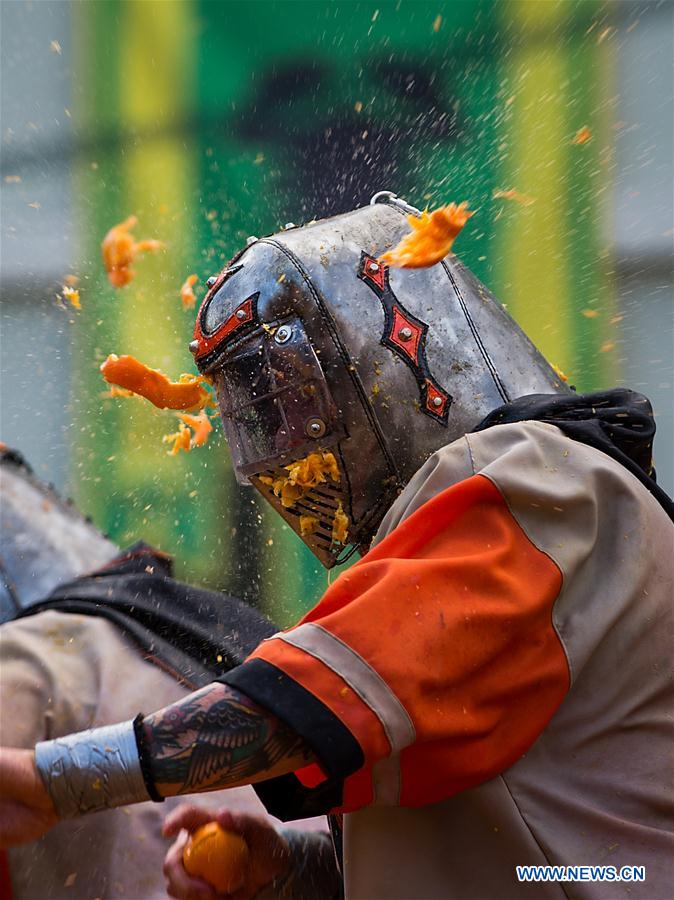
432, 664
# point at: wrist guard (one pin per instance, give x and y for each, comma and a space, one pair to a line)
92, 770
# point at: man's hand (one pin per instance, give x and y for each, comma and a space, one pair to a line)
26, 810
270, 855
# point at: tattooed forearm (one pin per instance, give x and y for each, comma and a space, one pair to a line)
218, 738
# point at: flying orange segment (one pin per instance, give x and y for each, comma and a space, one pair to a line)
120, 248
431, 238
128, 373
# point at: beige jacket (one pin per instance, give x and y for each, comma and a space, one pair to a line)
595, 787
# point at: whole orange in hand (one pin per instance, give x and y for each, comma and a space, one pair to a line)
219, 857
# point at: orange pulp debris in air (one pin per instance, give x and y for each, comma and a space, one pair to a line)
219, 857
120, 248
200, 425
431, 238
582, 136
182, 440
71, 295
193, 431
127, 372
512, 194
187, 294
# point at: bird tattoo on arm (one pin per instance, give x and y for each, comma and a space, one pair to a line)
216, 738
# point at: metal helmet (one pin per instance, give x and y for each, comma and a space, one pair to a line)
315, 347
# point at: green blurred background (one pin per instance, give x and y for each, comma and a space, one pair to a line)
211, 121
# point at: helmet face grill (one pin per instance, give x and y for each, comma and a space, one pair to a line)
321, 504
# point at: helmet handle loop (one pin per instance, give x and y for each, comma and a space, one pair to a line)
392, 199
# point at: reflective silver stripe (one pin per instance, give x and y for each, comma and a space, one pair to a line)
386, 781
360, 676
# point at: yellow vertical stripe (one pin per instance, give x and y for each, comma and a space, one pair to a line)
158, 183
535, 271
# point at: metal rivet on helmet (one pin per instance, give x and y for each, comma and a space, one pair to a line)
437, 402
315, 428
405, 334
211, 281
193, 346
251, 239
288, 226
283, 334
373, 267
241, 314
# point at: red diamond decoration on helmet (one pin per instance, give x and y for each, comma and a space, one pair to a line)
436, 400
406, 335
373, 272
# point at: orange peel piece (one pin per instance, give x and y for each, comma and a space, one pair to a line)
187, 295
128, 373
119, 249
431, 239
